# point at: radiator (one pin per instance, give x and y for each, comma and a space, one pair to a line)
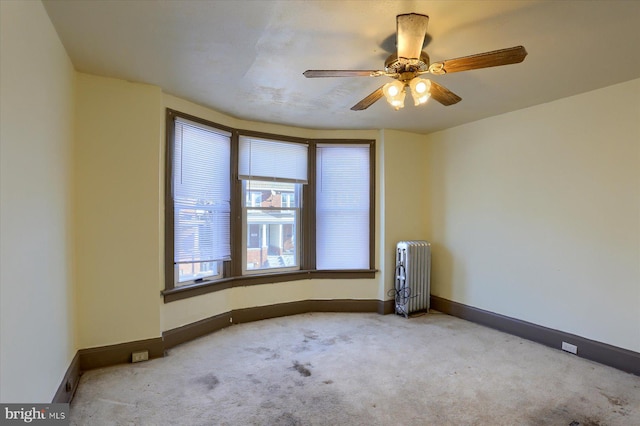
412, 277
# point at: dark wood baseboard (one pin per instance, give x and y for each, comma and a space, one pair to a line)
344, 305
194, 330
258, 313
622, 359
69, 383
304, 306
386, 307
105, 356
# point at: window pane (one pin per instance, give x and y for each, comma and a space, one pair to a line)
201, 194
270, 228
342, 207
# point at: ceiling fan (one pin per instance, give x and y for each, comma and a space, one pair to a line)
410, 62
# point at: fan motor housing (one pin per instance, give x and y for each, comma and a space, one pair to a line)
393, 64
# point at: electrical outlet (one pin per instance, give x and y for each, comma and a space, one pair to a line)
569, 348
140, 356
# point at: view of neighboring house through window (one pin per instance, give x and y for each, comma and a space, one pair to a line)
271, 226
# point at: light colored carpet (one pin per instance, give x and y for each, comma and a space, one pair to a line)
359, 369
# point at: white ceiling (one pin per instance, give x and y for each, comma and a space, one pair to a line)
246, 58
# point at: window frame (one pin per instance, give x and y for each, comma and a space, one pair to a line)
232, 271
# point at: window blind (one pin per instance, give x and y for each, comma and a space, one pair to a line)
263, 159
201, 193
342, 207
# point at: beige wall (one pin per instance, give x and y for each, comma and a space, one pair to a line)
182, 312
118, 218
37, 329
535, 214
406, 196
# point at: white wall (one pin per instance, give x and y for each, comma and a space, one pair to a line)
535, 214
37, 337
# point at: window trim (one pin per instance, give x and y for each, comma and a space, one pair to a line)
233, 269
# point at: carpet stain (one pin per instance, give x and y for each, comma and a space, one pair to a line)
613, 400
327, 382
619, 404
210, 381
310, 334
345, 338
268, 404
253, 379
273, 388
587, 422
300, 348
304, 371
259, 350
286, 419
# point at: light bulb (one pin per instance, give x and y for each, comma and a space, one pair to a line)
394, 93
420, 90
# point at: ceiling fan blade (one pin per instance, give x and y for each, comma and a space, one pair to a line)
443, 95
342, 73
368, 101
411, 29
512, 55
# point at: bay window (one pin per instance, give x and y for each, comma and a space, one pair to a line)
244, 208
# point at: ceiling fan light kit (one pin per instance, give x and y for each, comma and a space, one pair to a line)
395, 93
410, 62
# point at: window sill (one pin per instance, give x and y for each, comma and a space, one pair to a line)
205, 287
